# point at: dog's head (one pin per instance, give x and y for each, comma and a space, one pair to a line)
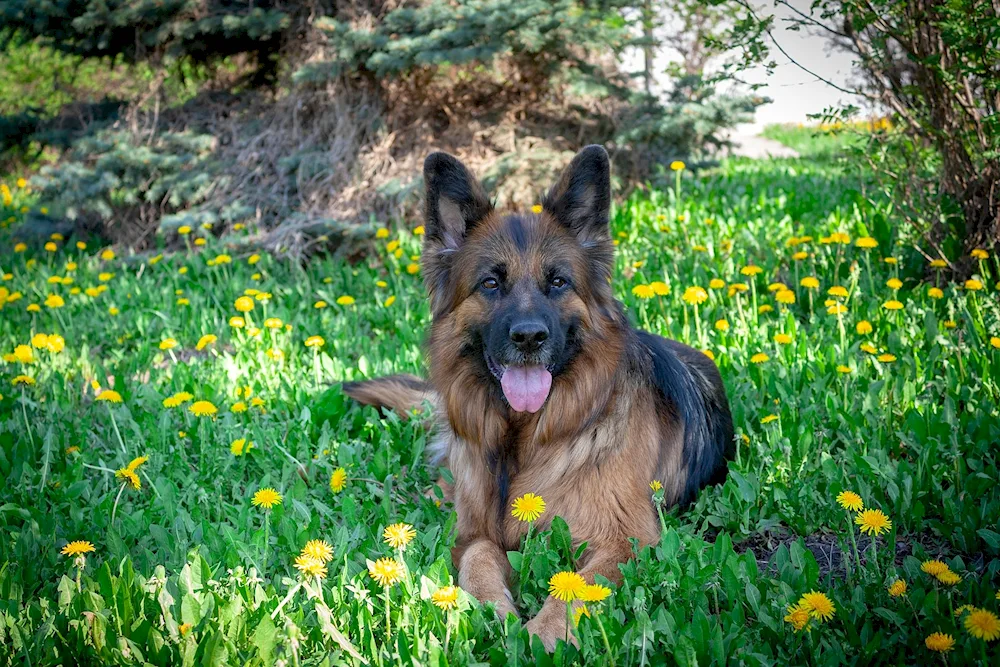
518, 293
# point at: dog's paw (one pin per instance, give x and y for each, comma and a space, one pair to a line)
551, 627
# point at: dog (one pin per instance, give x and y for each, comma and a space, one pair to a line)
540, 384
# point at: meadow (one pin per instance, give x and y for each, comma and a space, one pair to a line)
185, 483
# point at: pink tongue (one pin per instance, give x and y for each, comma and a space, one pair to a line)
526, 387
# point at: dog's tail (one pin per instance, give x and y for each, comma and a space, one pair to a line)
402, 393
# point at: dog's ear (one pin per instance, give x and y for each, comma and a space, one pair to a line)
581, 199
455, 201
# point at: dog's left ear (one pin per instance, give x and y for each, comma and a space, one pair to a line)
581, 199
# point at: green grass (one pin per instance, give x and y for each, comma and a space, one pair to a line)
816, 142
187, 571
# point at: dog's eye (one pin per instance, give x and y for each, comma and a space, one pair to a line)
558, 282
490, 283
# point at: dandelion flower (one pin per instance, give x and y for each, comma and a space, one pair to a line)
983, 624
310, 566
168, 344
413, 268
838, 291
319, 550
869, 348
768, 419
418, 230
134, 464
695, 295
939, 642
126, 476
797, 616
386, 571
77, 548
866, 242
995, 342
594, 593
897, 588
948, 578
266, 498
399, 535
239, 447
933, 567
873, 522
315, 341
24, 354
844, 369
973, 285
782, 339
759, 358
836, 309
751, 270
110, 396
528, 507
389, 301
819, 605
22, 380
660, 288
338, 480
445, 597
273, 323
566, 586
345, 300
785, 296
809, 282
709, 354
643, 291
887, 358
244, 304
205, 341
655, 485
850, 501
722, 325
716, 283
54, 301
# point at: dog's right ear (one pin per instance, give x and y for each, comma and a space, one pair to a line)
455, 201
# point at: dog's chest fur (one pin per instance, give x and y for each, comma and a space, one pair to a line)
596, 480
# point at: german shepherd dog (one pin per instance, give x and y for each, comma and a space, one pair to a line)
540, 384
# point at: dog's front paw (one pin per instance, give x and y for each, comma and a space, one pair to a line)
551, 625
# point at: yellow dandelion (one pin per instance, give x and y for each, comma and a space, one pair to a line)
938, 263
266, 498
594, 593
205, 341
77, 548
109, 396
983, 624
413, 268
386, 571
240, 446
866, 242
709, 354
399, 535
838, 291
23, 354
54, 301
995, 342
759, 358
338, 480
134, 464
887, 358
566, 586
660, 288
244, 304
273, 323
844, 369
202, 409
797, 616
892, 304
310, 566
722, 325
445, 597
126, 476
785, 296
836, 309
751, 270
939, 642
528, 507
800, 255
716, 283
318, 549
655, 485
782, 339
168, 344
345, 300
418, 230
948, 578
933, 567
643, 291
695, 295
850, 501
809, 282
819, 605
894, 283
973, 285
389, 301
873, 522
315, 342
897, 588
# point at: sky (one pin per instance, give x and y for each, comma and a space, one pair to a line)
796, 93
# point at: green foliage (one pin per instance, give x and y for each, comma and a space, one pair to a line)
179, 574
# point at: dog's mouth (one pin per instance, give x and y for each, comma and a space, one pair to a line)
524, 387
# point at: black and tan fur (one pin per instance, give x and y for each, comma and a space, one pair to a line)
625, 407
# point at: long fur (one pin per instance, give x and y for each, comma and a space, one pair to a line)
625, 407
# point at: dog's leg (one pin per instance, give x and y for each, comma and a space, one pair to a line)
482, 572
551, 622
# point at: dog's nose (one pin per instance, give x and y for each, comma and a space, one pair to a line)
528, 335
